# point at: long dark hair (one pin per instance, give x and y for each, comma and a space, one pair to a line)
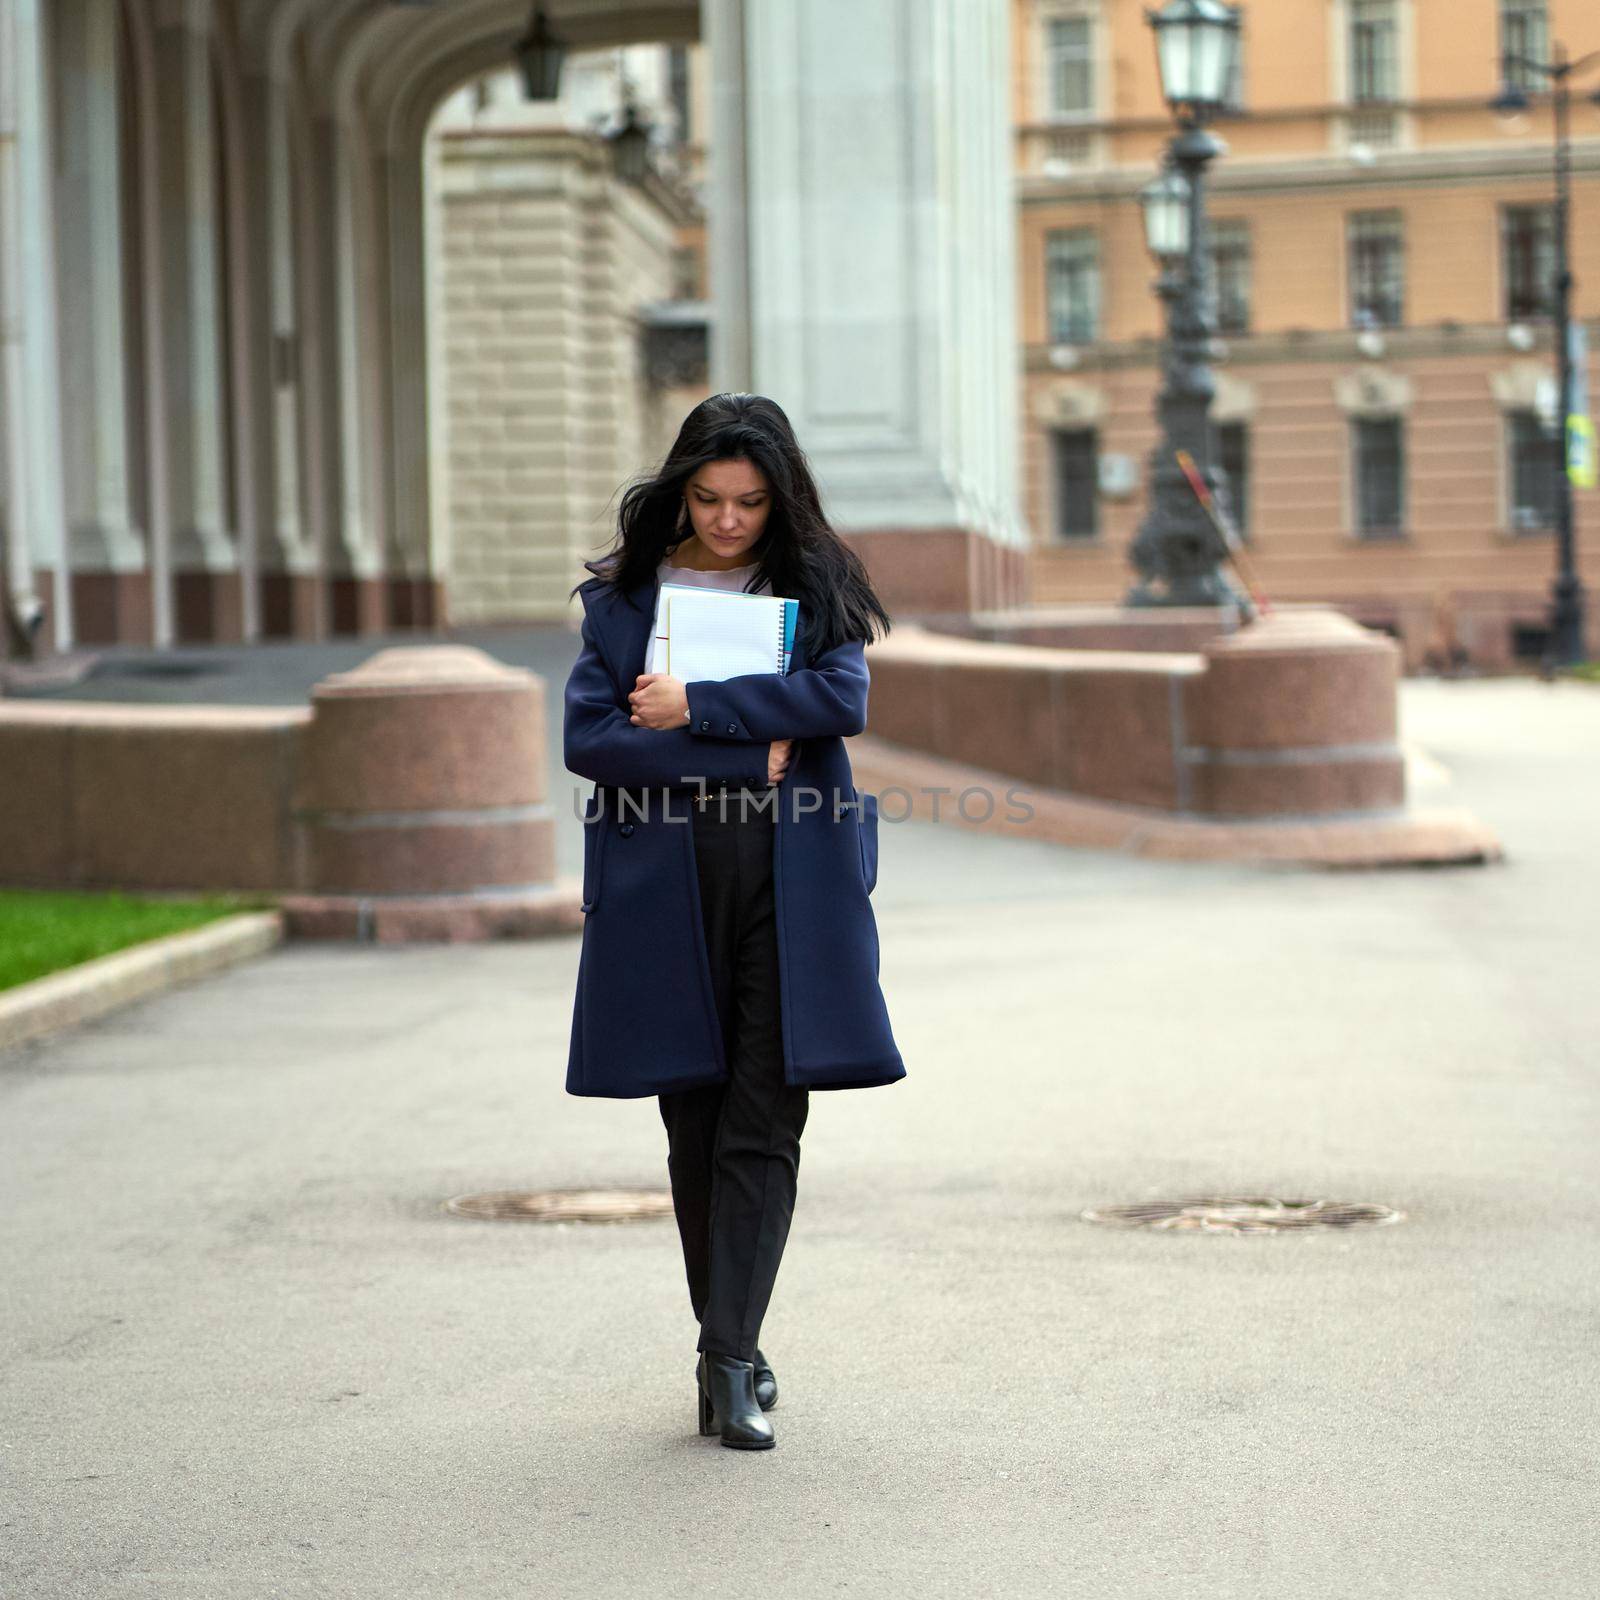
798, 553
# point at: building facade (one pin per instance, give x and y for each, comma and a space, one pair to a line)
225, 401
1383, 260
235, 406
556, 281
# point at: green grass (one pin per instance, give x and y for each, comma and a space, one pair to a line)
43, 931
1589, 672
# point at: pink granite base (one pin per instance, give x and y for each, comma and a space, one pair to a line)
432, 919
906, 782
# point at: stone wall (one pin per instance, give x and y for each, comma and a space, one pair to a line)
542, 261
409, 801
1293, 715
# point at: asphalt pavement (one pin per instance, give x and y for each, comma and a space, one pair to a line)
246, 1352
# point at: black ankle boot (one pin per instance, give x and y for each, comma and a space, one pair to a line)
766, 1383
765, 1379
728, 1397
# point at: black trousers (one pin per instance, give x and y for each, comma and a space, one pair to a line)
733, 1149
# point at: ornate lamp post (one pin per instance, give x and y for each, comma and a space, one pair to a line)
539, 54
1177, 553
1166, 202
1566, 598
630, 143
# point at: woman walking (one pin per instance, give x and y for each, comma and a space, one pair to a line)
730, 955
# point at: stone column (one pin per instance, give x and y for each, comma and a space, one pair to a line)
413, 554
36, 546
290, 602
203, 554
359, 599
863, 277
727, 224
250, 343
318, 241
111, 580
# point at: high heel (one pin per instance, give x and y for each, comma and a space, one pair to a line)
728, 1397
766, 1383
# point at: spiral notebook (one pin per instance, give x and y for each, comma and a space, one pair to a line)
719, 633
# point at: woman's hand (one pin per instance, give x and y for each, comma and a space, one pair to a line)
658, 701
778, 754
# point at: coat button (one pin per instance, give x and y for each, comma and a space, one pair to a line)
733, 727
625, 829
704, 726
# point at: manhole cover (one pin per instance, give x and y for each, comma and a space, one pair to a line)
563, 1205
1242, 1214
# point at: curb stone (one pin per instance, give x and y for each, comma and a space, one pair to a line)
62, 999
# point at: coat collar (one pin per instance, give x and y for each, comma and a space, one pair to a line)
627, 625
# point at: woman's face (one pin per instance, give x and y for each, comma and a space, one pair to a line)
728, 504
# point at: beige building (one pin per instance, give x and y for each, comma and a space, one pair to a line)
1383, 261
561, 298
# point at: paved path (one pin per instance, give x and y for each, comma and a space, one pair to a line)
246, 1354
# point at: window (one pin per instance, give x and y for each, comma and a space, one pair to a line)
1230, 274
1536, 458
1374, 52
1069, 66
1077, 464
1380, 477
1524, 31
1377, 270
1233, 456
686, 264
678, 90
1529, 233
1072, 285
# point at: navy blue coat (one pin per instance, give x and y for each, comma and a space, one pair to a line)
644, 1019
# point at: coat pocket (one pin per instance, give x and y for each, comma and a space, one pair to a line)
869, 839
594, 838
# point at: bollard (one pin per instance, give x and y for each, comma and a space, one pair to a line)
423, 804
1295, 715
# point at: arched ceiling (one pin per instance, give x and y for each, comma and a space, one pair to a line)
387, 62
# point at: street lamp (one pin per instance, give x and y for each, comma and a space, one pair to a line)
1166, 203
539, 54
1197, 46
630, 145
1177, 552
1566, 601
